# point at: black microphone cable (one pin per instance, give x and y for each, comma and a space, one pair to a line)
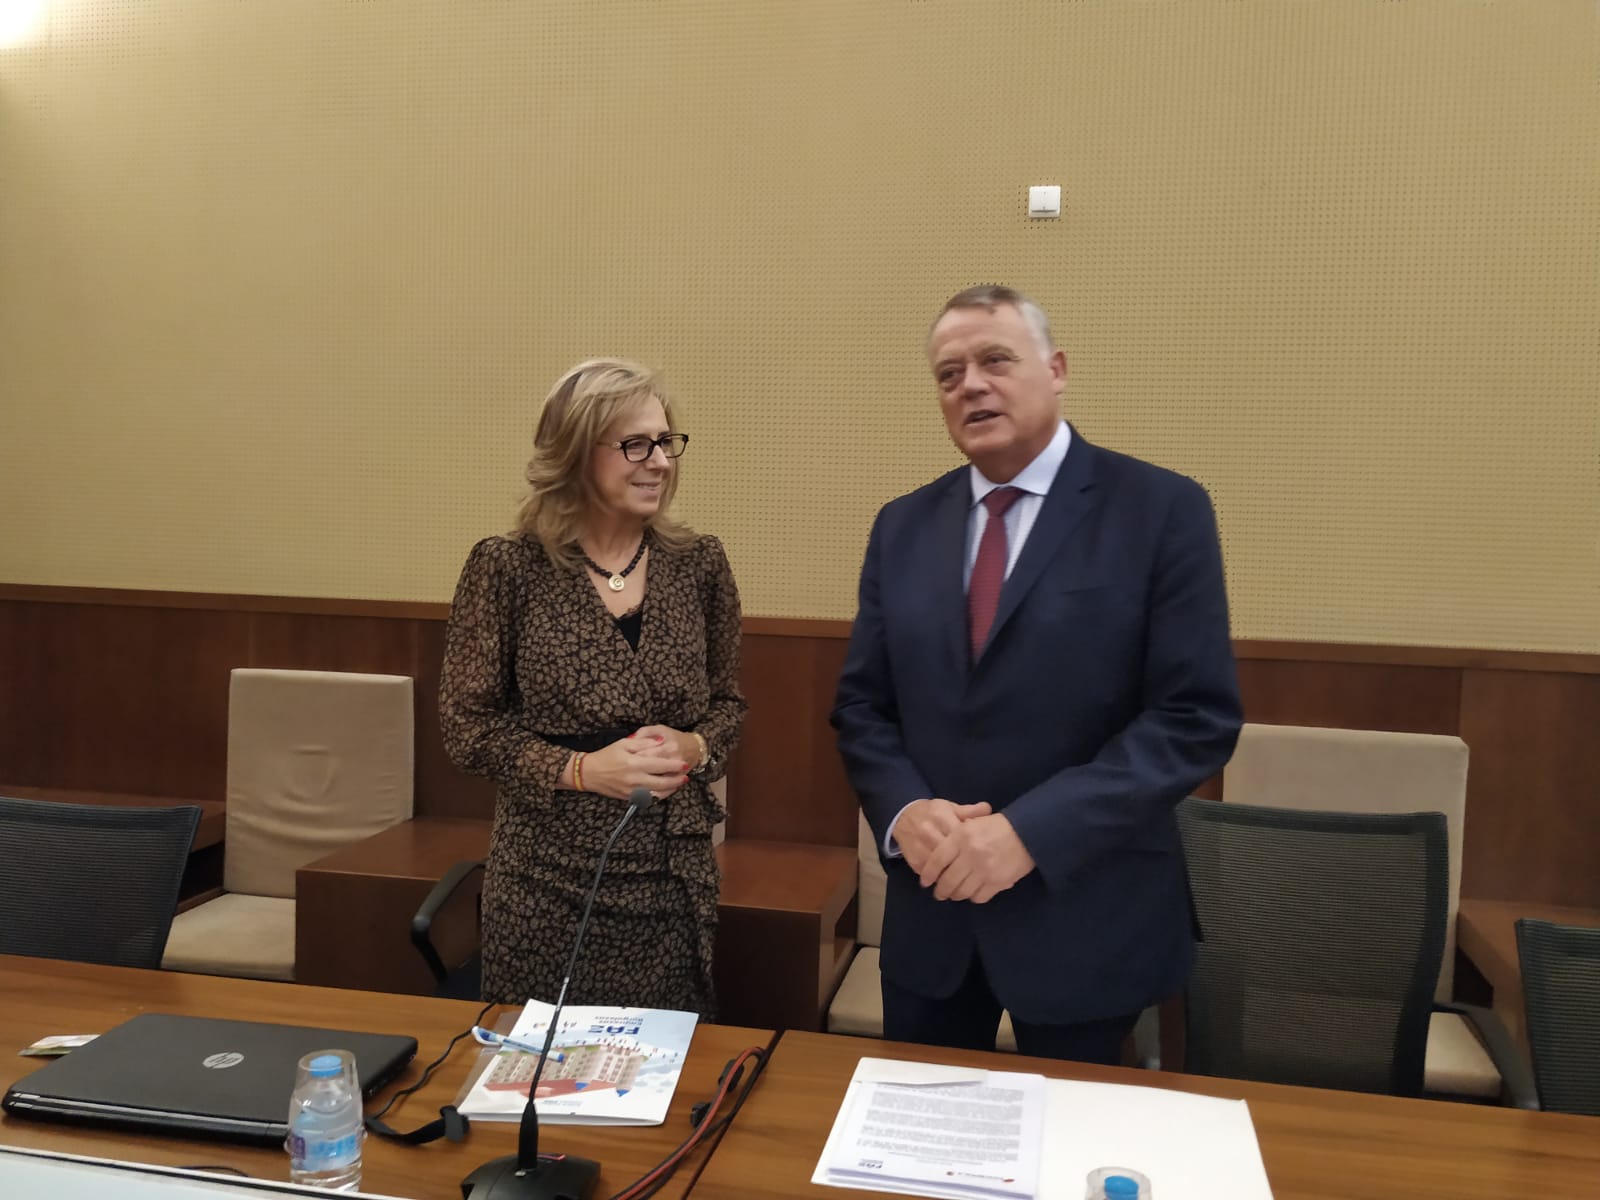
452, 1124
448, 1124
640, 800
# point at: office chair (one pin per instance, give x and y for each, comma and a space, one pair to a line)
1561, 992
445, 931
317, 760
91, 883
1470, 1054
1323, 936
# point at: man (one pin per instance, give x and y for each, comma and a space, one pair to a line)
1040, 669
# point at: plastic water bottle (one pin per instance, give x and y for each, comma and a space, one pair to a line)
1117, 1183
325, 1129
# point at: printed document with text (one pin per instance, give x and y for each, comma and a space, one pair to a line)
923, 1130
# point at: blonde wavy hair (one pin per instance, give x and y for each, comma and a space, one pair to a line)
575, 415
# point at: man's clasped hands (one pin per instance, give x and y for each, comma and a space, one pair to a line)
961, 851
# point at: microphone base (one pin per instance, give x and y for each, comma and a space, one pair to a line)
557, 1177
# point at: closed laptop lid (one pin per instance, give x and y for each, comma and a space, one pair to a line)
196, 1075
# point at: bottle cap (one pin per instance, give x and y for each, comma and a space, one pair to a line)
325, 1065
1117, 1183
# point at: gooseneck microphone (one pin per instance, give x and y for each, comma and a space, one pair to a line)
528, 1175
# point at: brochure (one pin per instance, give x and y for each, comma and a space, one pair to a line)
608, 1066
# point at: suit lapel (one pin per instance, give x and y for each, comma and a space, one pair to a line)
949, 530
1072, 497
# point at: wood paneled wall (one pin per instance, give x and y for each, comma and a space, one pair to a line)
127, 691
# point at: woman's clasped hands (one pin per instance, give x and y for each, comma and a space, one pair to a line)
654, 757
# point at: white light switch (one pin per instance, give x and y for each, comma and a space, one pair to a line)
1044, 201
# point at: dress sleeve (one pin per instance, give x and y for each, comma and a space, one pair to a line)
480, 709
719, 597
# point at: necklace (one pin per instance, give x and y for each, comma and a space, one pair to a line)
617, 580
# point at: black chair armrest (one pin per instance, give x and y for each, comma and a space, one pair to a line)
422, 922
1508, 1059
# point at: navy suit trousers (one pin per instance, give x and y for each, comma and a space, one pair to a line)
970, 1018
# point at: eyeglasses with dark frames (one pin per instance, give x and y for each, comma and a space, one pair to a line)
640, 448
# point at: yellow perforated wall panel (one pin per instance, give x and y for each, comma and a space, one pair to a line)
281, 281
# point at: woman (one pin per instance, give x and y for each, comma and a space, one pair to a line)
594, 651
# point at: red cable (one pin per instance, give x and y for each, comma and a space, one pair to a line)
707, 1123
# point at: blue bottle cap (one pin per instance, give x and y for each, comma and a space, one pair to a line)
324, 1065
1120, 1187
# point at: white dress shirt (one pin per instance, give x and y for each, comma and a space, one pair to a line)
1034, 482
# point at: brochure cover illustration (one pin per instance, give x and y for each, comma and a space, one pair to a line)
608, 1066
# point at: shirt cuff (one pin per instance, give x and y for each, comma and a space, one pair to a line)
891, 848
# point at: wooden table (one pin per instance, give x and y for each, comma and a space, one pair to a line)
1486, 932
1317, 1145
782, 945
204, 870
42, 996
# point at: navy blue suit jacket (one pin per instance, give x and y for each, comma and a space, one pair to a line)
1106, 693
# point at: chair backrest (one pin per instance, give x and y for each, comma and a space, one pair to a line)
1323, 933
446, 931
316, 760
1359, 770
1561, 992
871, 885
90, 882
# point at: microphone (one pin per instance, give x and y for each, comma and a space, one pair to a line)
528, 1175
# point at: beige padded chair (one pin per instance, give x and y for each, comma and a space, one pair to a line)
1360, 770
857, 1007
316, 760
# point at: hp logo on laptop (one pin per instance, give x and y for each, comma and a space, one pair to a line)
221, 1062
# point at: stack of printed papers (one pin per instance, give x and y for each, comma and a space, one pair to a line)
925, 1130
921, 1129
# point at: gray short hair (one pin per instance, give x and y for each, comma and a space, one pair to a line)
990, 296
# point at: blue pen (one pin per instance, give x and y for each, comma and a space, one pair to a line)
489, 1037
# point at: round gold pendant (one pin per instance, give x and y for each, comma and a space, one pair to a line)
616, 583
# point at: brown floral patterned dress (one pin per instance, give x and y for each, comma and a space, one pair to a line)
531, 655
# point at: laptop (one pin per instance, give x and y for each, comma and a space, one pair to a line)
195, 1076
35, 1173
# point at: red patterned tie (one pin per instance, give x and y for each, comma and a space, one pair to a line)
989, 569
